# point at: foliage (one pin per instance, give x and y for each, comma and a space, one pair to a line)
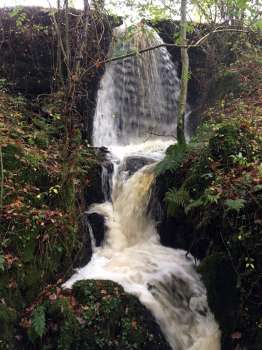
2, 260
8, 318
94, 315
39, 321
235, 204
215, 193
174, 157
176, 199
39, 227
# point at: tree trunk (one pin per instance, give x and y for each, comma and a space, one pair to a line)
86, 7
67, 44
59, 76
184, 76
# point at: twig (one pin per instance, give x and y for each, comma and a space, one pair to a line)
59, 37
139, 52
205, 37
152, 133
229, 254
2, 180
198, 43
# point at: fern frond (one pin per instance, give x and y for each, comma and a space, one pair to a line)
175, 199
173, 159
38, 320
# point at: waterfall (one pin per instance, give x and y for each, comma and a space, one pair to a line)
138, 95
138, 101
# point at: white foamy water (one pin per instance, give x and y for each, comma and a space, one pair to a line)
138, 95
164, 279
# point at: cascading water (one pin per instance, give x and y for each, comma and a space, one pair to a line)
138, 99
138, 95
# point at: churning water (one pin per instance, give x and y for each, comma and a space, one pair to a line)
136, 102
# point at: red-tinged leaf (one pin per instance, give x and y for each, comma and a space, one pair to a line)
236, 335
52, 297
58, 290
45, 237
12, 284
80, 320
73, 301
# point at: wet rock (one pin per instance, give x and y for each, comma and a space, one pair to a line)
97, 223
98, 315
134, 163
174, 232
98, 190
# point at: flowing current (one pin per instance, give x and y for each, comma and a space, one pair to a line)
136, 119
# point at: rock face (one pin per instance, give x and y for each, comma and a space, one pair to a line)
28, 60
97, 315
26, 49
96, 190
134, 163
175, 232
29, 50
97, 223
204, 64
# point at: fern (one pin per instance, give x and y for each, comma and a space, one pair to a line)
194, 204
173, 159
2, 262
175, 199
235, 204
39, 321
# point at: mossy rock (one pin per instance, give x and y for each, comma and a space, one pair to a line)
220, 280
227, 83
11, 156
224, 143
98, 315
232, 139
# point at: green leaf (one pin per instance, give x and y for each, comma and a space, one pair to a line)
235, 204
194, 204
258, 188
38, 320
176, 198
173, 159
2, 261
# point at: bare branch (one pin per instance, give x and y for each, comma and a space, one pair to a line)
205, 37
198, 43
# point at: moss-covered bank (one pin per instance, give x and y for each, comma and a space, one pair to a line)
43, 197
210, 200
95, 315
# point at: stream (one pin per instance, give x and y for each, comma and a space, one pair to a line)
136, 120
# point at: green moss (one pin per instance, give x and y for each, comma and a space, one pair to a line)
99, 315
220, 205
223, 297
7, 325
227, 83
12, 154
224, 143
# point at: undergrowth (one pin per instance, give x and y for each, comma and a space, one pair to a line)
40, 190
215, 184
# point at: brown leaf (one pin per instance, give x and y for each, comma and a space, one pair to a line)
80, 320
45, 237
134, 324
52, 297
236, 335
12, 284
25, 323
